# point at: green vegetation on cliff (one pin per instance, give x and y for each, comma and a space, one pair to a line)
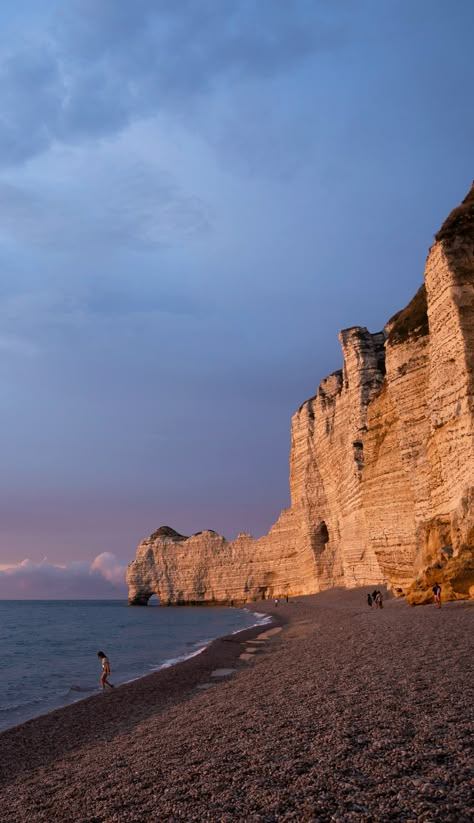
460, 223
411, 322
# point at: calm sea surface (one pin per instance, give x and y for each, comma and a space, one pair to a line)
48, 649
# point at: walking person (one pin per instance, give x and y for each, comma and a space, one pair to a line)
104, 681
437, 594
276, 601
369, 600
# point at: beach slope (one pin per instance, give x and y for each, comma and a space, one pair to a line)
347, 714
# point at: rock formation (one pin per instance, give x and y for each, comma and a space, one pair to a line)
381, 465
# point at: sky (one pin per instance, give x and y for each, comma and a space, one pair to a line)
195, 198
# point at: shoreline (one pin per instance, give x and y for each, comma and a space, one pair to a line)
43, 703
176, 661
170, 684
348, 713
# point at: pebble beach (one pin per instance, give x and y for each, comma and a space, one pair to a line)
335, 712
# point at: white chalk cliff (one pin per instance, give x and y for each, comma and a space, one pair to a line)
381, 465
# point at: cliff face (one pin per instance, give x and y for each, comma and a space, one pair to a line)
381, 464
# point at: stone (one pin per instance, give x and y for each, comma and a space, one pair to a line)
223, 672
269, 633
381, 466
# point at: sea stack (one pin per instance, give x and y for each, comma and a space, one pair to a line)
381, 465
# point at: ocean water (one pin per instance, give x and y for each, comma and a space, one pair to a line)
48, 649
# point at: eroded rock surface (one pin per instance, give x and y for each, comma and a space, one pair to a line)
381, 465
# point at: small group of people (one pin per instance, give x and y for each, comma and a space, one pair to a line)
375, 599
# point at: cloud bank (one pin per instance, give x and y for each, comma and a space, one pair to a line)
97, 67
103, 578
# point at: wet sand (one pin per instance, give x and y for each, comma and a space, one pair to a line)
346, 714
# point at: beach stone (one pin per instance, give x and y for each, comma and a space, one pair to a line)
223, 672
269, 633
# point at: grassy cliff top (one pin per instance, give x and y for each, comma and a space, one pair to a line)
167, 531
460, 223
410, 322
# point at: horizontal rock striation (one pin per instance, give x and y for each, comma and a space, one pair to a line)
381, 465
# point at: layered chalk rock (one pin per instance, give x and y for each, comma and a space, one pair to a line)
206, 568
381, 465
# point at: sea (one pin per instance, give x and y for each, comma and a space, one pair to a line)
48, 648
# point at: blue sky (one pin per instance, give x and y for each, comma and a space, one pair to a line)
194, 198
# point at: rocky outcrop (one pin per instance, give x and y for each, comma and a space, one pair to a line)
381, 465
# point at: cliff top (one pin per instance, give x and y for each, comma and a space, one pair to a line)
167, 531
410, 322
460, 223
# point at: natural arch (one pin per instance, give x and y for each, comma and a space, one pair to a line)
139, 598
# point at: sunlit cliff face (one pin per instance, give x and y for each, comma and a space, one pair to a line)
381, 465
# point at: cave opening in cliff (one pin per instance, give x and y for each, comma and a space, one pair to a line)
323, 532
319, 538
154, 600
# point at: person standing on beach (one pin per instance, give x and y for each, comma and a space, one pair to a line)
369, 600
437, 594
105, 670
276, 601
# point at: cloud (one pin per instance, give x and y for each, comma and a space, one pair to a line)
109, 567
31, 102
106, 205
11, 344
98, 67
103, 578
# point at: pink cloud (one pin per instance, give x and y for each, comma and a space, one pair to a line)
103, 578
109, 567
